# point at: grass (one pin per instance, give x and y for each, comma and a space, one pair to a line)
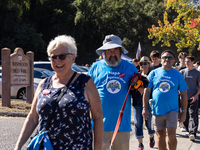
17, 105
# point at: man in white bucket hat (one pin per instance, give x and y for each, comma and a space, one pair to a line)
111, 41
111, 76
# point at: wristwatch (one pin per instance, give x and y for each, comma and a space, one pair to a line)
184, 110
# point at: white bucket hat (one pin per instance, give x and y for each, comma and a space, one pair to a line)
111, 41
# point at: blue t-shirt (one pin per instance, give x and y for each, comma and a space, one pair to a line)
112, 84
165, 84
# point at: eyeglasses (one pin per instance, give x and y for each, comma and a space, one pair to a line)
143, 63
167, 57
115, 51
61, 56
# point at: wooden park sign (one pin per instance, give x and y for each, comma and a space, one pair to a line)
17, 69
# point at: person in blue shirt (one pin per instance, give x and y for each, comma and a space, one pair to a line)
166, 82
111, 76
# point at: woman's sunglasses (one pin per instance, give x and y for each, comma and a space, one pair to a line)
61, 56
143, 63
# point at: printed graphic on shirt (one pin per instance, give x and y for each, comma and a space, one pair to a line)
164, 87
187, 76
122, 75
113, 86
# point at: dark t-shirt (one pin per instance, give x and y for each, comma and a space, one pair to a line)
179, 68
152, 67
138, 68
192, 78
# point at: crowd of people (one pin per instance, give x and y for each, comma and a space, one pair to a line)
191, 74
87, 113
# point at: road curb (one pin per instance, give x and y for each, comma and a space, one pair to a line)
13, 114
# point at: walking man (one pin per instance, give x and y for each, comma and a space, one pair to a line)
181, 58
111, 76
192, 78
155, 56
166, 82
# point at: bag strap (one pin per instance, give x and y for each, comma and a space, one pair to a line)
47, 82
58, 99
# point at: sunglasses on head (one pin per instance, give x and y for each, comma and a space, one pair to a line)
167, 57
61, 56
143, 63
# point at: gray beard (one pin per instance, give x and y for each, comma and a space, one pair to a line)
113, 63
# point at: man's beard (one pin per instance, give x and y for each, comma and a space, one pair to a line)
113, 63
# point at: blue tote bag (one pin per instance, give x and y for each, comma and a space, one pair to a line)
37, 140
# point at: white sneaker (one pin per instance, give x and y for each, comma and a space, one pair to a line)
187, 134
183, 129
192, 137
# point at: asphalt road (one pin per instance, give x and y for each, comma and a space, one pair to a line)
10, 128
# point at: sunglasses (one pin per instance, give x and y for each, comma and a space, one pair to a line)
167, 57
61, 56
143, 63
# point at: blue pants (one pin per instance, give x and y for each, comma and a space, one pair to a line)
138, 121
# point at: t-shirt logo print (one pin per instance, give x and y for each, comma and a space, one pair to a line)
113, 86
164, 87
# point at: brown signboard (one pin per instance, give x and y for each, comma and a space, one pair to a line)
20, 68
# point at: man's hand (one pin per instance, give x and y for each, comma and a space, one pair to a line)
182, 117
145, 113
193, 98
184, 104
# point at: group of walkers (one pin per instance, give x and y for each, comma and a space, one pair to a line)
188, 96
189, 69
87, 113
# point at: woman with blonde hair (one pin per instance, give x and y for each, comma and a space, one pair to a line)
68, 120
144, 64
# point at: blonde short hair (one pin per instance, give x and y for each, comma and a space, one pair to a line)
64, 40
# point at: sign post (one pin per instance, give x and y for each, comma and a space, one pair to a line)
17, 69
5, 57
29, 89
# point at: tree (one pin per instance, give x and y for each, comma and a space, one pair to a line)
129, 19
50, 18
184, 29
14, 31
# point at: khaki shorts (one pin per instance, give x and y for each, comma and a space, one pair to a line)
165, 121
121, 141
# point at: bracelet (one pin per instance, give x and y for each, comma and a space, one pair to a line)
184, 110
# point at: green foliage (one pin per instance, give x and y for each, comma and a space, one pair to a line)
129, 19
25, 37
14, 33
31, 24
184, 29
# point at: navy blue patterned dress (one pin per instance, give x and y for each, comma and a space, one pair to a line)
71, 125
